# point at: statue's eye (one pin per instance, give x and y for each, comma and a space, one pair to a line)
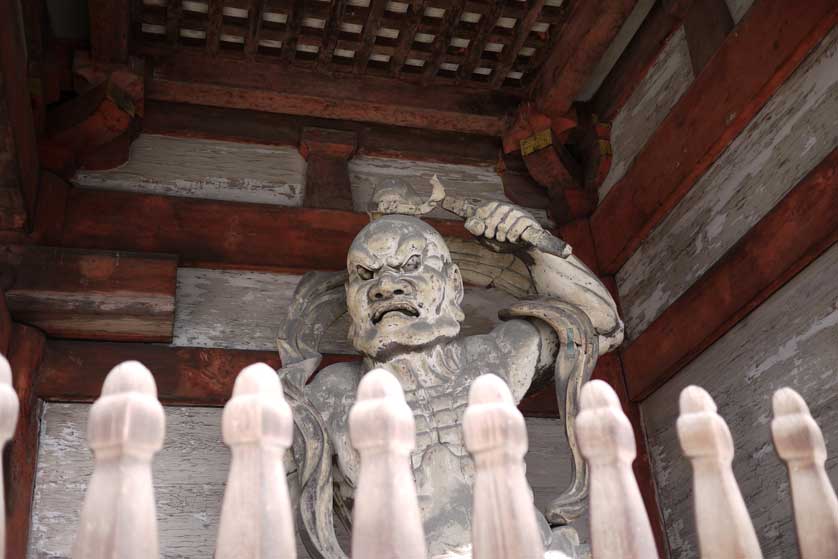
364, 273
412, 264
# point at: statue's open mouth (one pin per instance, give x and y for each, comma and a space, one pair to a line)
398, 307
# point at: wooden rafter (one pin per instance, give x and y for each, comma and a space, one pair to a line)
225, 82
407, 32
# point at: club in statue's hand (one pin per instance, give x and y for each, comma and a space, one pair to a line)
493, 220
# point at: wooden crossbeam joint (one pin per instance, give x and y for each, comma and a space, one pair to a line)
95, 129
568, 156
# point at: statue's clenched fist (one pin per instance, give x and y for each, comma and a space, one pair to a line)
501, 222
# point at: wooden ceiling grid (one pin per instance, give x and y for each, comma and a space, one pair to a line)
490, 44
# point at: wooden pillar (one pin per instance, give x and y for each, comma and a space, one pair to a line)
19, 170
25, 352
327, 153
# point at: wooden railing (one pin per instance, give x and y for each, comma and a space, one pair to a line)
127, 426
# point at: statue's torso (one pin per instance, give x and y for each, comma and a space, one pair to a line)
436, 386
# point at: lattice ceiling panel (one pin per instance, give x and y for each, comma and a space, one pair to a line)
494, 43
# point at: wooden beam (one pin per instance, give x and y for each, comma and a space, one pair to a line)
662, 21
262, 86
327, 154
589, 30
86, 294
110, 26
21, 456
706, 25
216, 233
731, 89
19, 167
73, 371
799, 228
216, 123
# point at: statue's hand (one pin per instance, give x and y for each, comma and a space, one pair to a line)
502, 222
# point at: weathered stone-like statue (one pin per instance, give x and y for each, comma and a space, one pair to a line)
403, 294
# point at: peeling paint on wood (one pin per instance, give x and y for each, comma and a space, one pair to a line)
471, 181
789, 341
189, 477
795, 130
209, 169
245, 310
651, 101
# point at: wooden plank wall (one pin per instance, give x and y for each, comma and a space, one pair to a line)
189, 477
795, 130
791, 340
668, 78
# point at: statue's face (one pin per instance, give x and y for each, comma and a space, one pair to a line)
403, 291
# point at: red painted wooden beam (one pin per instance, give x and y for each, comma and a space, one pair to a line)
25, 354
262, 86
239, 125
73, 371
110, 27
216, 233
799, 228
589, 31
731, 89
19, 167
661, 22
327, 154
98, 295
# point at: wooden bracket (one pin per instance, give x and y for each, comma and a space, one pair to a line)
95, 130
568, 156
327, 153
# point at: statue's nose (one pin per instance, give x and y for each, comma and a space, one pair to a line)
388, 286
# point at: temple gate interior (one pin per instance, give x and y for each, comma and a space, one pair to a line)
169, 170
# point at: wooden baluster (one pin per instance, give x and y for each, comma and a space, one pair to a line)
722, 522
620, 528
9, 408
256, 518
504, 523
126, 428
386, 523
799, 442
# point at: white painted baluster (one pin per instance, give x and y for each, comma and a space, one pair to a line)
722, 522
126, 428
504, 523
256, 518
9, 408
799, 442
386, 523
620, 528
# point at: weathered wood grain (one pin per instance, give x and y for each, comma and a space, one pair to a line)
788, 341
190, 474
665, 82
470, 181
92, 294
731, 89
245, 310
210, 169
773, 252
795, 130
